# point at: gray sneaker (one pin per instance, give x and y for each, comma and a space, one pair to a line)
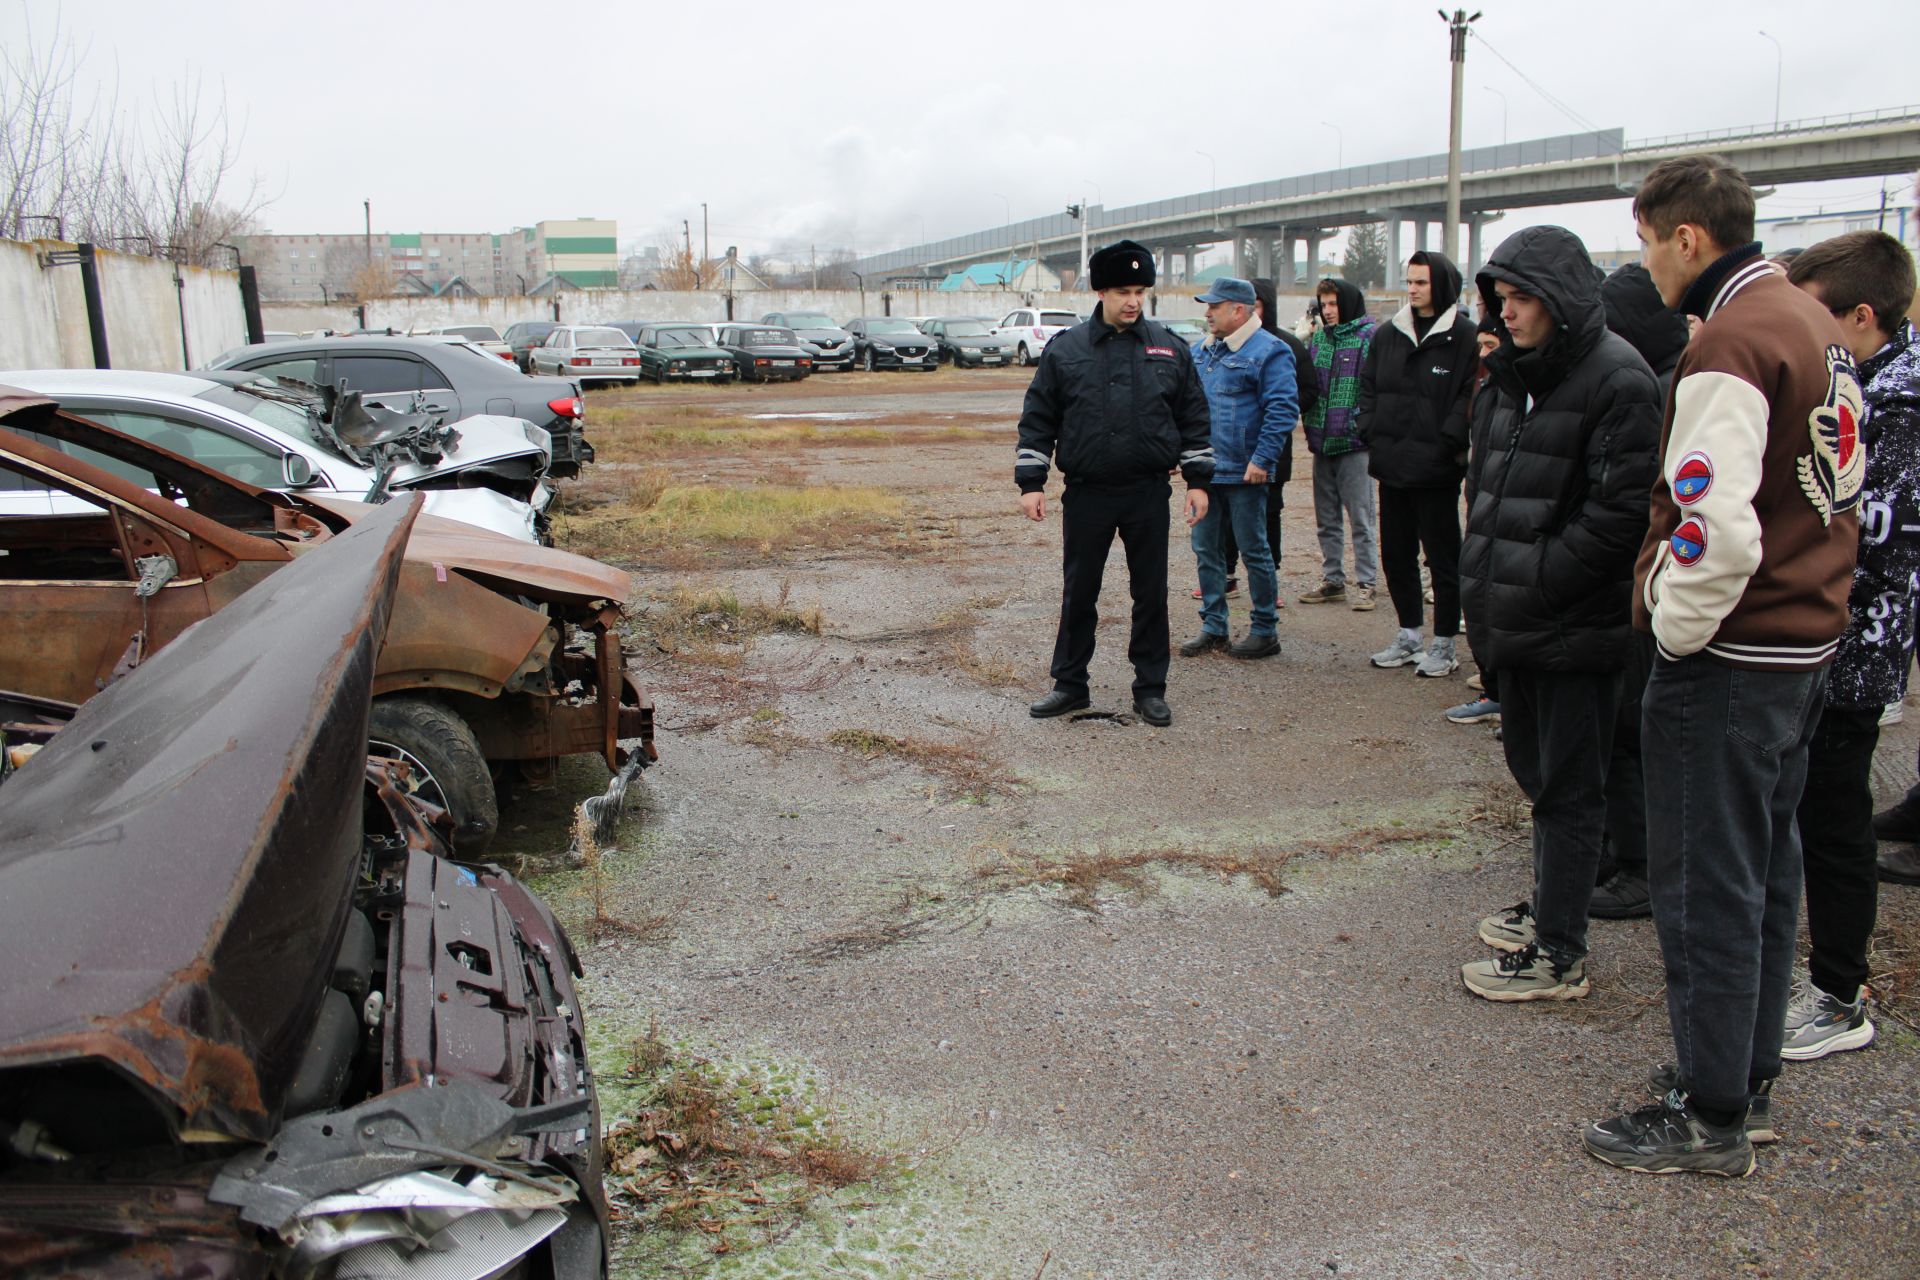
1665, 1078
1509, 930
1526, 974
1819, 1024
1403, 650
1439, 660
1363, 599
1326, 593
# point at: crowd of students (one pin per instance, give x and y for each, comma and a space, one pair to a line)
1687, 574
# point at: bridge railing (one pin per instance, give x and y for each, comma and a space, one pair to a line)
1812, 124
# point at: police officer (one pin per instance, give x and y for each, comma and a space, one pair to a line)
1118, 402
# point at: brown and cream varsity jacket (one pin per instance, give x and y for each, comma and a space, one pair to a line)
1749, 555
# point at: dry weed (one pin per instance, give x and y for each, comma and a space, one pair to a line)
692, 618
1893, 963
768, 518
966, 772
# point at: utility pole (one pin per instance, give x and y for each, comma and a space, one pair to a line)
813, 265
368, 206
706, 245
686, 230
1457, 27
1078, 212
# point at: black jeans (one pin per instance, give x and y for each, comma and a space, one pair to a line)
1625, 846
1558, 732
1090, 517
1836, 838
1725, 752
1412, 520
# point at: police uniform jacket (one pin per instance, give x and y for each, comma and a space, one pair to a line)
1115, 408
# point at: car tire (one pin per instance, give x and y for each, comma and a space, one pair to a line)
448, 768
866, 360
1021, 358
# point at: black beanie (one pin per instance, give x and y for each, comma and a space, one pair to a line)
1121, 264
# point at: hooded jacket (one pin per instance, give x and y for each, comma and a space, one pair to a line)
1339, 355
1754, 531
1636, 312
1307, 386
1416, 390
1116, 408
1567, 432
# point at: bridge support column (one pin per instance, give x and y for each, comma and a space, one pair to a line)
1186, 270
1289, 263
1396, 259
1476, 242
1419, 238
1240, 254
1166, 266
1263, 257
1313, 256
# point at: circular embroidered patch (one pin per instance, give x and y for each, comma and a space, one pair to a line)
1692, 478
1689, 541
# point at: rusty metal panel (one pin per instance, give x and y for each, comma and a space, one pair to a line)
174, 839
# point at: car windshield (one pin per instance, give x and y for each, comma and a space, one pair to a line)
276, 408
682, 338
965, 329
890, 326
475, 332
600, 338
1066, 318
766, 337
811, 322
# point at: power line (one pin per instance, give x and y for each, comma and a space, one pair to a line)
1535, 85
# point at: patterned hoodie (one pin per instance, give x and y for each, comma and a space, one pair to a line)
1339, 354
1871, 668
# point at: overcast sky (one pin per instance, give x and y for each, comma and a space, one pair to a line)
869, 126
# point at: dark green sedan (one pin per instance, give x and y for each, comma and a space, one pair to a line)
683, 352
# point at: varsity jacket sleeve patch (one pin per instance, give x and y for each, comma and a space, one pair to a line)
1039, 428
1713, 467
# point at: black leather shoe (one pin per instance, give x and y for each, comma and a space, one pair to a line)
1622, 897
1900, 866
1898, 823
1252, 646
1154, 711
1202, 643
1058, 703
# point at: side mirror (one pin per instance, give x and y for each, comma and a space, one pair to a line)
296, 471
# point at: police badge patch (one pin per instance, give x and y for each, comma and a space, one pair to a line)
1830, 476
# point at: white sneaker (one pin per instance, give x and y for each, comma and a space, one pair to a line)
1439, 660
1892, 713
1404, 649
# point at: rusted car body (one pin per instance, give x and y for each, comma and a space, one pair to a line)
516, 643
251, 1023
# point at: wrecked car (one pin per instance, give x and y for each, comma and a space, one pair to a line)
252, 1022
489, 471
501, 658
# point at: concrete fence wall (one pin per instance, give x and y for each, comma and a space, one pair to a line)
43, 311
598, 306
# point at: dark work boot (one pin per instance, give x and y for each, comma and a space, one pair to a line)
1624, 896
1058, 703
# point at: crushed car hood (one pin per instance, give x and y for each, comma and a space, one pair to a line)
176, 865
500, 562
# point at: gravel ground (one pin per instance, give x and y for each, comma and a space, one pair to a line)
1187, 1077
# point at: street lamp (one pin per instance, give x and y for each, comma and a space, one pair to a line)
1503, 111
1339, 144
1779, 58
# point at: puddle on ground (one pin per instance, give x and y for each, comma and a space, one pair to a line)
851, 416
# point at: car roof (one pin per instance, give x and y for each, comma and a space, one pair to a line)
140, 382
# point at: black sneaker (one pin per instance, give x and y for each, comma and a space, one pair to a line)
1622, 897
1665, 1078
1898, 823
1669, 1137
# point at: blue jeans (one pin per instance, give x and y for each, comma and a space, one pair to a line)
1244, 506
1725, 756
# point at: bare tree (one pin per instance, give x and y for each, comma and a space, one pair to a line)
170, 190
679, 267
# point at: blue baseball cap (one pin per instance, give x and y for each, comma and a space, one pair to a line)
1228, 289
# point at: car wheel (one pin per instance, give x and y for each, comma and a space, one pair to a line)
866, 360
1021, 358
446, 767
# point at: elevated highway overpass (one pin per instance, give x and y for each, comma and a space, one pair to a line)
1266, 222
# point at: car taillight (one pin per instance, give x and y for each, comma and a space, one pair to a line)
629, 361
505, 355
759, 361
1038, 332
806, 364
585, 360
566, 406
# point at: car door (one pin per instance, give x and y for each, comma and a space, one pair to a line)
247, 457
74, 575
389, 380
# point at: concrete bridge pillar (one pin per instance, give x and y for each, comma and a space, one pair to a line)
1186, 276
1476, 249
1166, 265
1419, 241
1240, 254
1263, 259
1313, 256
1396, 257
1289, 268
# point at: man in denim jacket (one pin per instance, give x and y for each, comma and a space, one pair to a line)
1253, 400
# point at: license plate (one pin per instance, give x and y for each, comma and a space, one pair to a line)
989, 359
783, 364
700, 373
614, 361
